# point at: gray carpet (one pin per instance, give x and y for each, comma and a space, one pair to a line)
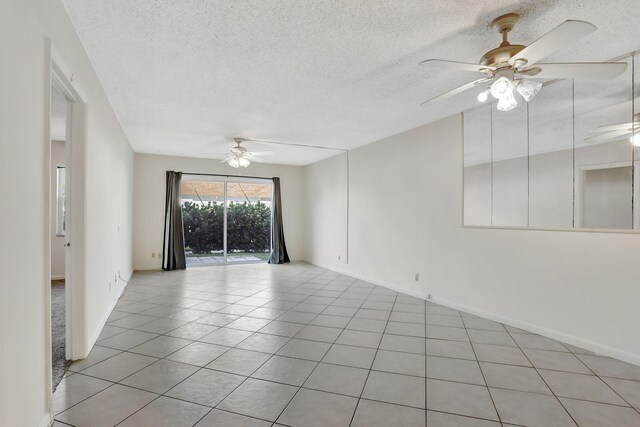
58, 331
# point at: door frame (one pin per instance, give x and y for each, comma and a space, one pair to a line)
58, 73
580, 178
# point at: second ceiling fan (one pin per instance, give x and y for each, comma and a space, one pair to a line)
508, 68
240, 157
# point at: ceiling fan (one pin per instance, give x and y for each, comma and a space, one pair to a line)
240, 157
508, 67
616, 132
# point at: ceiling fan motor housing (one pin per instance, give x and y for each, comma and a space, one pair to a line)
499, 57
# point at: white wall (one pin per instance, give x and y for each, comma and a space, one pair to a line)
25, 26
149, 198
57, 242
405, 218
326, 201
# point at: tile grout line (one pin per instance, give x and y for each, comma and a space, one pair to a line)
495, 408
373, 362
336, 364
231, 392
576, 355
201, 368
240, 384
329, 349
122, 351
542, 378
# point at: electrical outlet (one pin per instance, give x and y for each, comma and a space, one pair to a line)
417, 277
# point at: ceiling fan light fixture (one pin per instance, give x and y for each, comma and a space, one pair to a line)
503, 63
528, 89
484, 95
502, 88
234, 163
239, 161
507, 102
635, 139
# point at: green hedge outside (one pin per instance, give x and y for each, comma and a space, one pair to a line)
248, 227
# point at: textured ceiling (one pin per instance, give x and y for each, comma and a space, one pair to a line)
185, 75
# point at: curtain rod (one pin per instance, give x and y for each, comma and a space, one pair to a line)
227, 176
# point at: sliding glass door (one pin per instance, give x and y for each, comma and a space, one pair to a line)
203, 220
226, 220
248, 221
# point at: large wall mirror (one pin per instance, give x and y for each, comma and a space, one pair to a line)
565, 160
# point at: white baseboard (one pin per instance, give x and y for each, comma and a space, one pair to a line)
147, 267
600, 349
96, 333
58, 277
46, 421
411, 292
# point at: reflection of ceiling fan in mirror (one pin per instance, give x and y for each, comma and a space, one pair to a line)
608, 133
240, 157
508, 68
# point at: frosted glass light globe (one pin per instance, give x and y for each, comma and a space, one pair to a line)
507, 103
484, 95
502, 88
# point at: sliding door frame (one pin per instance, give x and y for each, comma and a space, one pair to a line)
224, 223
225, 180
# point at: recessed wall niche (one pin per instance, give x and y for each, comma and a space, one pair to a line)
548, 164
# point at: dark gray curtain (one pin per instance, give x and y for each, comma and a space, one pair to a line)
173, 257
279, 253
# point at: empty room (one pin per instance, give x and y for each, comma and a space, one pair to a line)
327, 213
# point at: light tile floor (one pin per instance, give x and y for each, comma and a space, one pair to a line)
297, 345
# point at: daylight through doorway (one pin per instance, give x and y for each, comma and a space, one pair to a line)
58, 228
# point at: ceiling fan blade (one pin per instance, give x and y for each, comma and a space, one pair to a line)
457, 90
577, 70
227, 159
466, 66
620, 126
563, 35
261, 153
609, 136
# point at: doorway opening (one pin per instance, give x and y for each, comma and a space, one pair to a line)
226, 220
58, 225
605, 196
